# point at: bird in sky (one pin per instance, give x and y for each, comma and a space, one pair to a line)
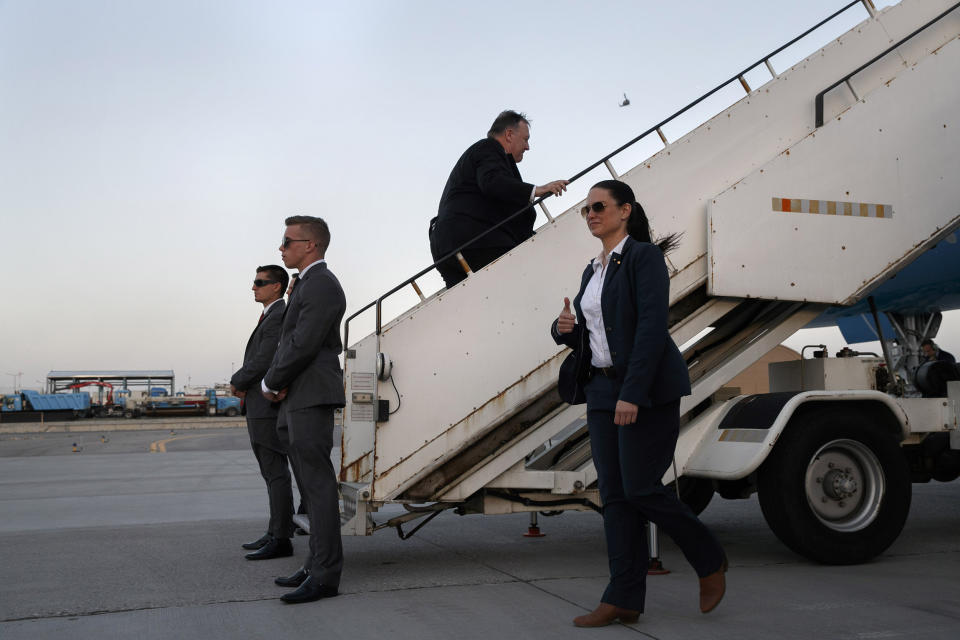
626, 101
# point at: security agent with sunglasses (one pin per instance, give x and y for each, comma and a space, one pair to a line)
633, 377
270, 451
306, 380
483, 189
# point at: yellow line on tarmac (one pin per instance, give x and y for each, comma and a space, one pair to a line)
160, 446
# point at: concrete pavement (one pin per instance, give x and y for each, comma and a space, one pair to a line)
84, 425
148, 545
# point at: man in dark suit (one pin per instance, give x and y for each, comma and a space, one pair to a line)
271, 453
483, 189
305, 378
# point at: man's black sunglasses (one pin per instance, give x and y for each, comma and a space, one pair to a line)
287, 241
262, 283
596, 206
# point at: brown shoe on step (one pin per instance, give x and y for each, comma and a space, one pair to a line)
712, 589
605, 614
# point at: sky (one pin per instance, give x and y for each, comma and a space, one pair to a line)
149, 151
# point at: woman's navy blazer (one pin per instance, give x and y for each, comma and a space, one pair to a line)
635, 301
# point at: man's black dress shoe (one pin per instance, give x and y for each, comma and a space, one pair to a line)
310, 590
292, 581
276, 548
258, 543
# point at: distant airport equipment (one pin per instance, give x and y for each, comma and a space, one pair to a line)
135, 379
806, 195
104, 404
32, 406
157, 403
133, 393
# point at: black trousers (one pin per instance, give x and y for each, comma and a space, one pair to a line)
451, 271
311, 442
630, 462
272, 459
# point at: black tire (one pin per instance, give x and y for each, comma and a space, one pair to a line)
696, 493
128, 413
836, 487
230, 412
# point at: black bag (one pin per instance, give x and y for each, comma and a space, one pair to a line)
575, 372
573, 377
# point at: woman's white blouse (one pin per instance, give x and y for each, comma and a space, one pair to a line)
592, 313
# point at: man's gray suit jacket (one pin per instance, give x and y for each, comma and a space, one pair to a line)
306, 362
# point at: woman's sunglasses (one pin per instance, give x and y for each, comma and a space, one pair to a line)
597, 207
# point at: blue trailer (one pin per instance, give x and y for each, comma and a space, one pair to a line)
32, 406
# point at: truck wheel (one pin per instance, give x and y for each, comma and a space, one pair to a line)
230, 412
835, 488
696, 493
128, 413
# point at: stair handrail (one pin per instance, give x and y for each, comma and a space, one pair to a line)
818, 122
867, 4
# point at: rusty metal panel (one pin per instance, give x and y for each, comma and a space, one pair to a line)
896, 148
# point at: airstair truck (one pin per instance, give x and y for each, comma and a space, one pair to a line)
453, 403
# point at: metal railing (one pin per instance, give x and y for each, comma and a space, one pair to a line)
657, 128
846, 79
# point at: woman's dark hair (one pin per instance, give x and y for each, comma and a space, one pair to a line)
637, 225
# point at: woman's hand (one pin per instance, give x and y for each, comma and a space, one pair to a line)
566, 320
624, 413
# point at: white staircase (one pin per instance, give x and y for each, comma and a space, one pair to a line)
475, 366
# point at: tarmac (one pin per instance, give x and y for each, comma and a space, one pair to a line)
116, 542
107, 425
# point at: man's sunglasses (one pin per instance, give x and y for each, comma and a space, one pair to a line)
262, 283
287, 241
597, 207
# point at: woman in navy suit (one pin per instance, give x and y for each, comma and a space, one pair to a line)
633, 377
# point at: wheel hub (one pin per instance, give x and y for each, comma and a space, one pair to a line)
844, 485
840, 485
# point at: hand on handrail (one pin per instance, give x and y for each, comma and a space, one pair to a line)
556, 188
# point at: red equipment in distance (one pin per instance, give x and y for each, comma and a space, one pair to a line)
107, 385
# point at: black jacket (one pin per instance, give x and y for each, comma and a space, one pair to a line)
484, 188
634, 301
257, 357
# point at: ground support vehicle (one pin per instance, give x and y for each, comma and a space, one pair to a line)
805, 195
207, 404
104, 405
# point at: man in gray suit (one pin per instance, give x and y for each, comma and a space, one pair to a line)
271, 453
305, 378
